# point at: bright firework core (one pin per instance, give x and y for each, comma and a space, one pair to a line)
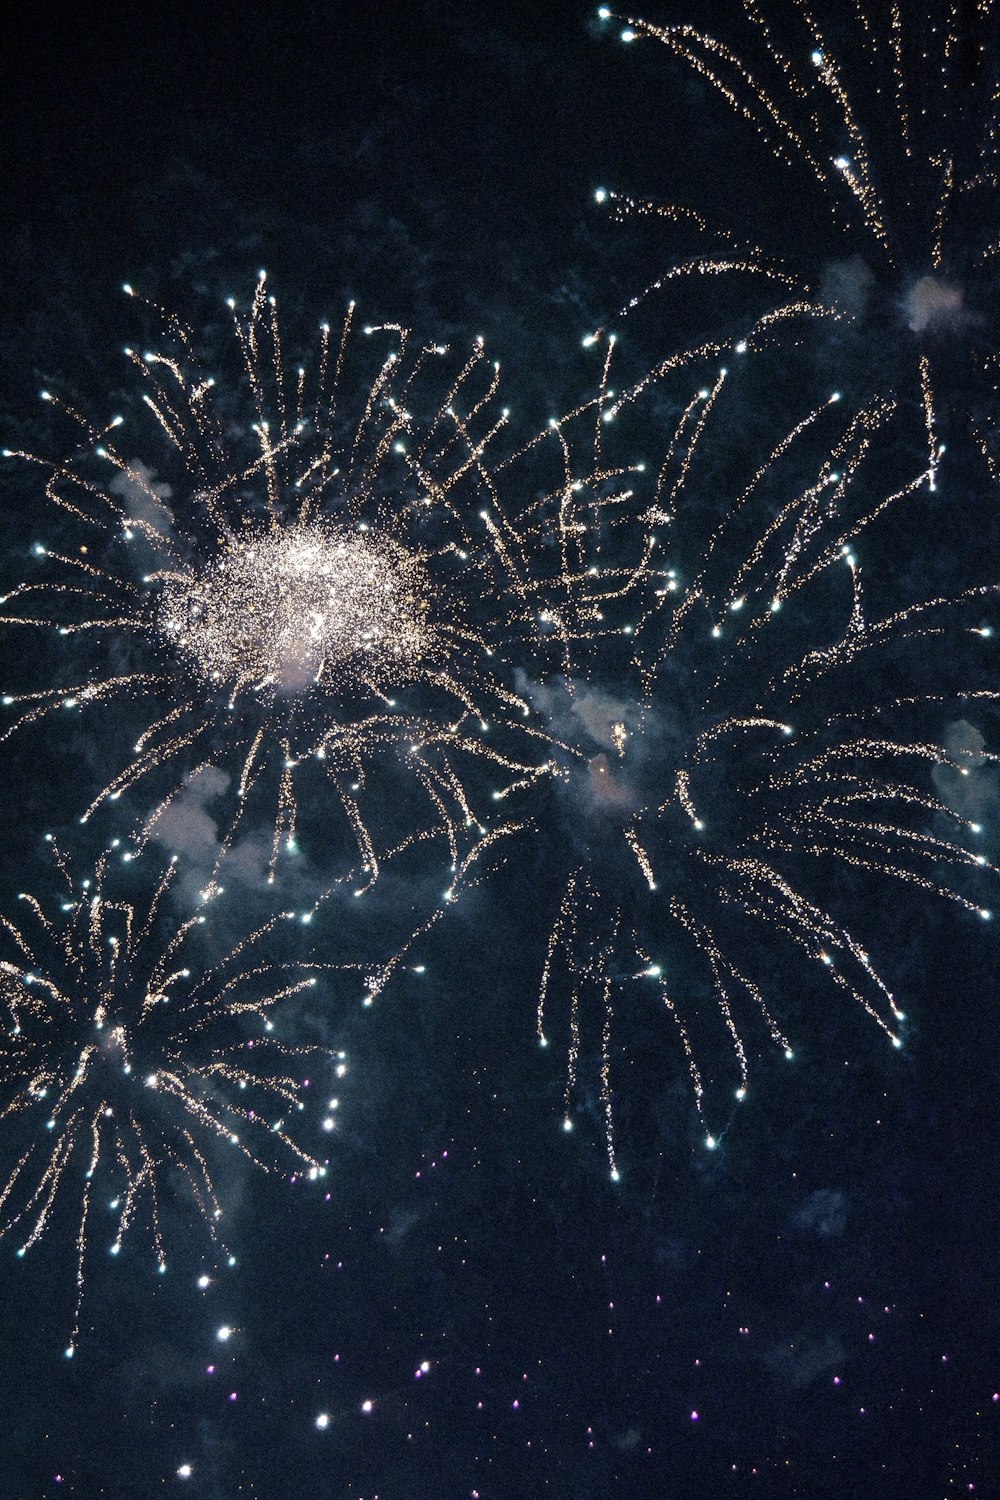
305, 604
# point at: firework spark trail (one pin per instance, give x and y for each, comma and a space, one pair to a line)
331, 583
906, 205
123, 1064
734, 723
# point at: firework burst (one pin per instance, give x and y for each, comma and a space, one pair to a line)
315, 585
884, 124
745, 743
123, 1067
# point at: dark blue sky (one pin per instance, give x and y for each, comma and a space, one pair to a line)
809, 1311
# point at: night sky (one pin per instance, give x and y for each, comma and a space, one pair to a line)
466, 1307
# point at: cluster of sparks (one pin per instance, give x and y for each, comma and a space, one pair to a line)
674, 699
320, 575
299, 607
887, 122
125, 1066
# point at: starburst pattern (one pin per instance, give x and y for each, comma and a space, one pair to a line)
308, 587
743, 742
126, 1068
